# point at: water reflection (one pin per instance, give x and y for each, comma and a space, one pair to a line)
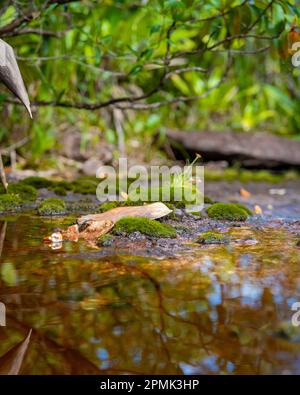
216, 310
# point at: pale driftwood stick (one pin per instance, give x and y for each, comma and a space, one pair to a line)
151, 211
2, 174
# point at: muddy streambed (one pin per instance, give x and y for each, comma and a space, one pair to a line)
151, 306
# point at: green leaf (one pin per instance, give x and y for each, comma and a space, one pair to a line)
136, 70
7, 16
155, 28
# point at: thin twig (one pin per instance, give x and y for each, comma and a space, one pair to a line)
2, 174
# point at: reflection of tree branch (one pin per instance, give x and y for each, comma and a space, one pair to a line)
78, 363
162, 309
2, 236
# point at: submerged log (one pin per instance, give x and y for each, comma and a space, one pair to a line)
249, 149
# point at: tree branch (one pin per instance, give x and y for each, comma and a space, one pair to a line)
38, 32
29, 16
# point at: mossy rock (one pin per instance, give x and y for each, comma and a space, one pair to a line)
234, 174
85, 186
146, 226
37, 182
10, 202
52, 206
61, 188
105, 241
85, 206
60, 191
245, 208
228, 212
212, 238
25, 192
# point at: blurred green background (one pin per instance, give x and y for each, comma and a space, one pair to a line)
92, 51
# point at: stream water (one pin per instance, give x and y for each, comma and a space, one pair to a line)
211, 309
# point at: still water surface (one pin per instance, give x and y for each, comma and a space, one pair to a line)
214, 309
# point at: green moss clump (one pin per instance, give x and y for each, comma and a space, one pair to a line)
105, 241
143, 225
108, 206
60, 191
212, 238
61, 187
85, 186
25, 192
10, 202
227, 211
37, 182
196, 214
234, 174
245, 208
52, 206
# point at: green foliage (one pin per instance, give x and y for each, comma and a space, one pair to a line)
212, 238
52, 206
119, 49
143, 225
10, 202
228, 212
